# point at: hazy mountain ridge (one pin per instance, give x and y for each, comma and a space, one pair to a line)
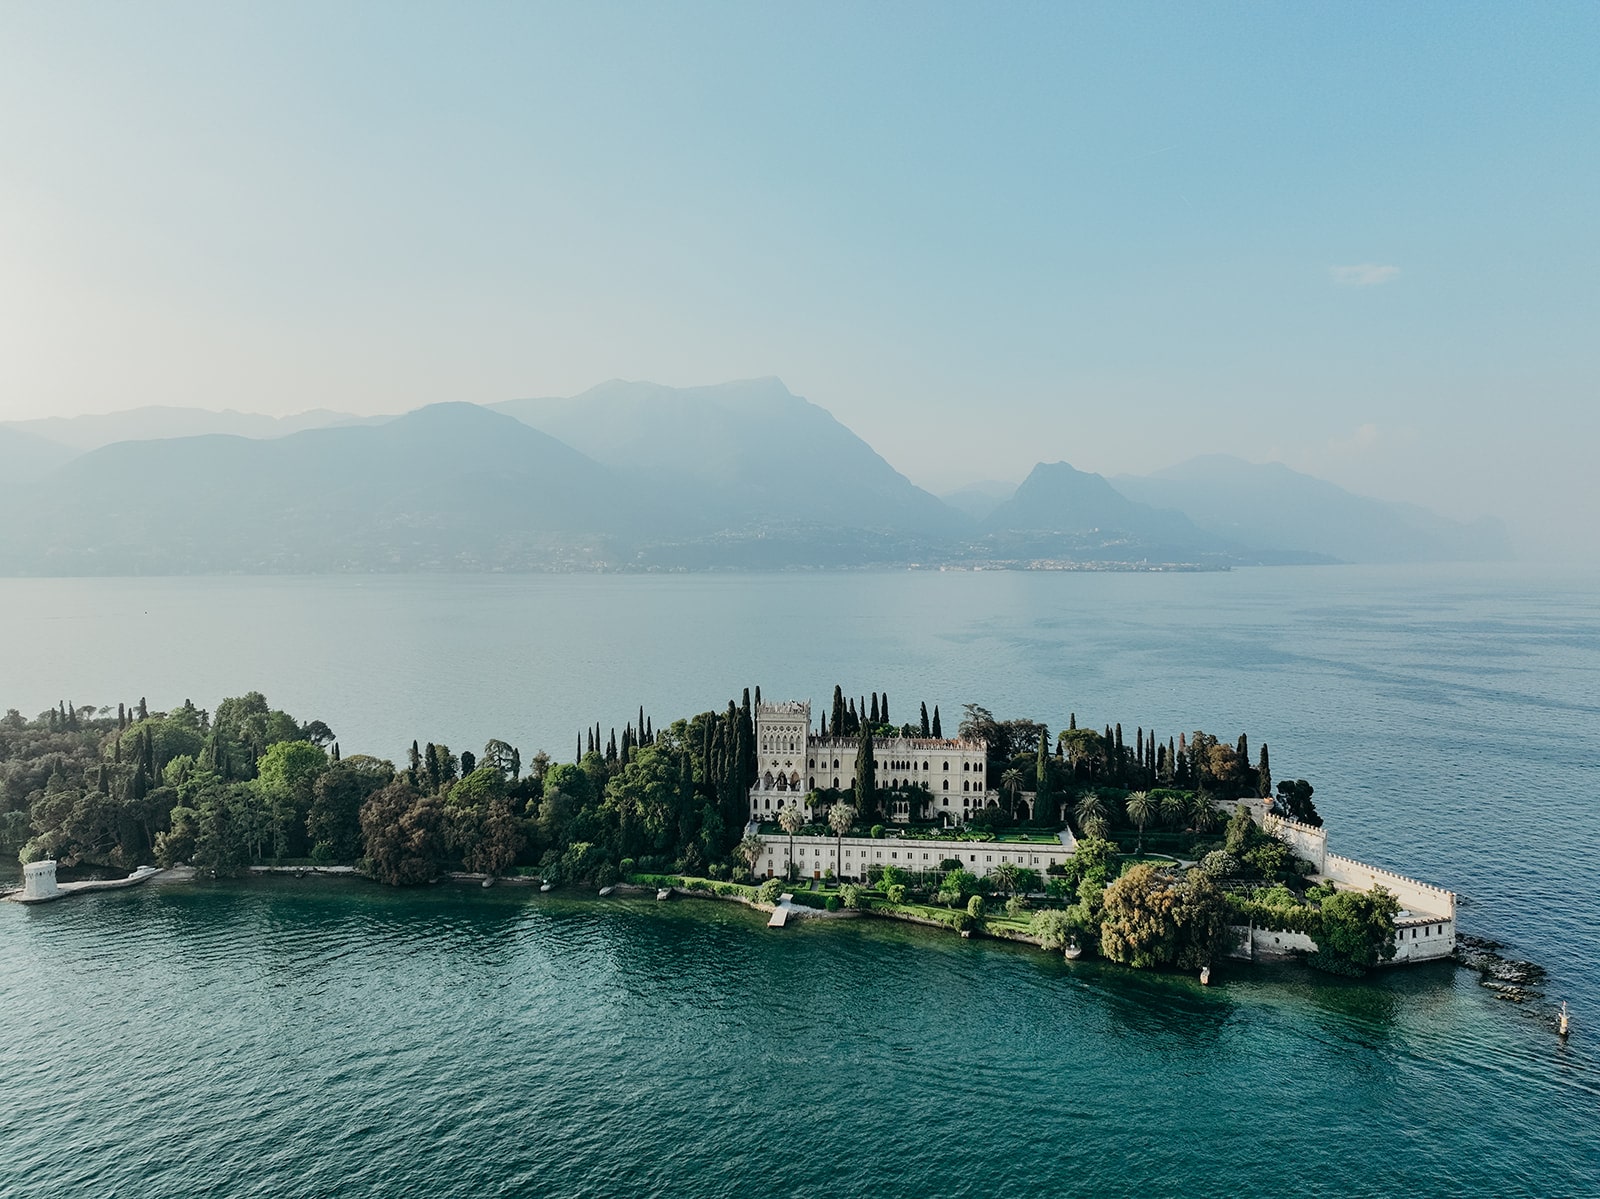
1270, 506
156, 421
751, 448
742, 475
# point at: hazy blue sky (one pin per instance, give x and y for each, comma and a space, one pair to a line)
1361, 239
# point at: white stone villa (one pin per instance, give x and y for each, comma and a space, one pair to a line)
851, 858
792, 763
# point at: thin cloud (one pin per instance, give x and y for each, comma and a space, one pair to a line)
1366, 274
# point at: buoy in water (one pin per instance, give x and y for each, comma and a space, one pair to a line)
1562, 1028
1205, 976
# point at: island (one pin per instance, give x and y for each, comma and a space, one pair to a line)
1176, 852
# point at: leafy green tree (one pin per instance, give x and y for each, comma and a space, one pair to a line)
479, 824
504, 757
403, 833
1358, 930
975, 908
956, 886
1294, 800
286, 776
1139, 925
1052, 926
1201, 911
333, 822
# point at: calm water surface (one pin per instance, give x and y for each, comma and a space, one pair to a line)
295, 1037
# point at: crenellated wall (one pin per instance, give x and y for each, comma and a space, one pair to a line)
1413, 895
1307, 842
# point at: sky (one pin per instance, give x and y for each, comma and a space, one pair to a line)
1359, 239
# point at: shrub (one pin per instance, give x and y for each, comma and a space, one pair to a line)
718, 870
833, 904
769, 891
853, 897
895, 892
877, 832
975, 907
1016, 905
627, 866
1052, 927
810, 899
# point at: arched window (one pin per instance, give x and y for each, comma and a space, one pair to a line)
947, 784
925, 766
947, 764
963, 784
766, 780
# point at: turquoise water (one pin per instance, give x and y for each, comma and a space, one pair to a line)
302, 1037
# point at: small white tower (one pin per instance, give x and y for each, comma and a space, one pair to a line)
39, 880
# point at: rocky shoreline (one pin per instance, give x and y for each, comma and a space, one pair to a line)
1510, 979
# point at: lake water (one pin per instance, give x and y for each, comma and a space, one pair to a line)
296, 1037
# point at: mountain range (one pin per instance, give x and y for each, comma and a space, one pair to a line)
629, 475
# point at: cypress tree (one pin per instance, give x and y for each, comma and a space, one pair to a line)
866, 776
641, 724
837, 718
430, 760
1072, 720
122, 717
874, 713
144, 710
925, 730
852, 723
469, 762
1043, 801
822, 728
1263, 774
335, 751
577, 753
884, 708
649, 732
758, 696
937, 731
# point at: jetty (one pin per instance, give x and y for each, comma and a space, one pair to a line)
39, 883
780, 914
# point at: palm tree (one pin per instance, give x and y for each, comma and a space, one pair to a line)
1090, 807
1141, 810
1096, 826
750, 849
1174, 810
1011, 782
791, 820
1201, 812
1005, 876
840, 817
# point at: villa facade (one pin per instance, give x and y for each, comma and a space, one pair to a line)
850, 857
944, 778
